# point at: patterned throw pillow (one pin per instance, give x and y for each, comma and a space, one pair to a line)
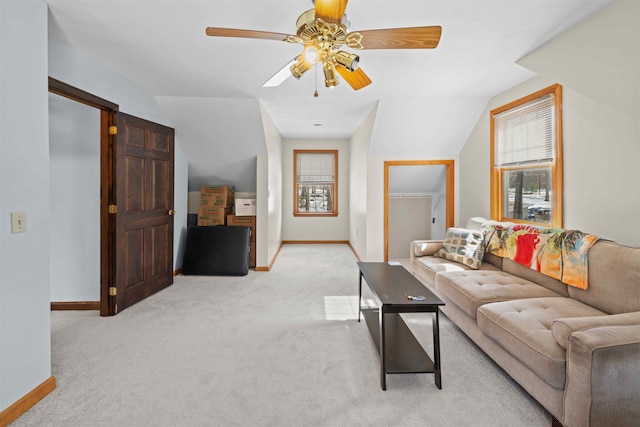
463, 246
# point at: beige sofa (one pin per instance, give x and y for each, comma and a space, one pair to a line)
575, 351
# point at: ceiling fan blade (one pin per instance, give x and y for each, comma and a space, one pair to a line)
247, 34
282, 75
402, 38
357, 79
330, 11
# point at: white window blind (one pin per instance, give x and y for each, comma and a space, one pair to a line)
526, 134
316, 168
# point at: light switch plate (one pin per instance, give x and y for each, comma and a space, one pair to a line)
18, 222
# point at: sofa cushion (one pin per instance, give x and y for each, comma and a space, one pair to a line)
614, 278
549, 282
463, 246
492, 259
437, 264
472, 288
431, 265
563, 328
523, 328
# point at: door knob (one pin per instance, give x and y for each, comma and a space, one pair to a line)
171, 212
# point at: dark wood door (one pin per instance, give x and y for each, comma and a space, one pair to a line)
144, 218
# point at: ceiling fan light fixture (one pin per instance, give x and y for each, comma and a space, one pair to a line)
330, 75
322, 31
300, 67
311, 54
348, 60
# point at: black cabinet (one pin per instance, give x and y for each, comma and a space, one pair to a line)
217, 251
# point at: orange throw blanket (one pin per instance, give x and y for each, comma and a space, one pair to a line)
561, 254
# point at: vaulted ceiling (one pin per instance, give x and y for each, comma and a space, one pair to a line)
161, 46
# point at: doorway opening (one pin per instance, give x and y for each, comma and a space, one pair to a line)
418, 203
106, 113
135, 161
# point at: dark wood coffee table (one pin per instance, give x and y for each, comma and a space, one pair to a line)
399, 350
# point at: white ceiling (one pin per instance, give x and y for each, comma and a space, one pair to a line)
413, 180
161, 46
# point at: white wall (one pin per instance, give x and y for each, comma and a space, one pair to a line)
400, 129
269, 226
598, 64
358, 184
315, 228
25, 333
439, 209
375, 209
399, 133
74, 163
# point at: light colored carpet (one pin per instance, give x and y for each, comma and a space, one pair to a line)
267, 349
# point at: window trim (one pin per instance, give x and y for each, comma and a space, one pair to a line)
497, 174
334, 212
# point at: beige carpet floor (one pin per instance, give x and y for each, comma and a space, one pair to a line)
278, 348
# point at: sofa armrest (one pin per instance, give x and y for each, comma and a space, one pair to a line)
603, 379
563, 328
418, 248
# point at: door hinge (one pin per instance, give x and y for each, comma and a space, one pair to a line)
113, 130
113, 291
113, 209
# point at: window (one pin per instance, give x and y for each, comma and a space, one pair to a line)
526, 159
315, 182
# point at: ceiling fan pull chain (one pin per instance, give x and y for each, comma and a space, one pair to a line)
315, 94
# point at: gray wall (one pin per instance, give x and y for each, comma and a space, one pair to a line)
180, 178
222, 138
74, 171
27, 58
72, 67
25, 333
409, 219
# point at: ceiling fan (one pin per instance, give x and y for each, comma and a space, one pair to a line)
323, 31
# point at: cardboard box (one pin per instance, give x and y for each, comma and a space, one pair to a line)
213, 215
246, 207
248, 221
211, 196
